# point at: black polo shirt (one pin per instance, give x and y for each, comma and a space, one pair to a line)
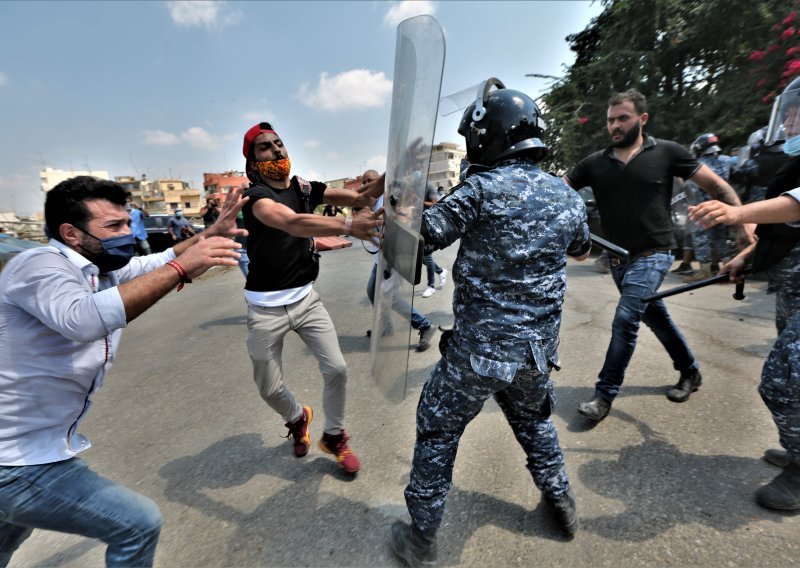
634, 198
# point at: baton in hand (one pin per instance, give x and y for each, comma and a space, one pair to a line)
623, 255
718, 279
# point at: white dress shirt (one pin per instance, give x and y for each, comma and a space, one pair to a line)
60, 327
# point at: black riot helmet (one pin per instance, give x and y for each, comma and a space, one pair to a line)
501, 124
706, 144
783, 124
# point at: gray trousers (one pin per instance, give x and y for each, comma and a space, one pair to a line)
308, 318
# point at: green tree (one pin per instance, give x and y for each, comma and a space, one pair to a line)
693, 59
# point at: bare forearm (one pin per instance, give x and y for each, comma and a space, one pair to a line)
308, 225
340, 197
783, 209
723, 192
141, 293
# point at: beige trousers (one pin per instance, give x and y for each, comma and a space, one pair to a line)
310, 320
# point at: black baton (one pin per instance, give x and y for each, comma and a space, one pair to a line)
619, 252
718, 279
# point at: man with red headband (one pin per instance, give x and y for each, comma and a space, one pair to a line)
283, 266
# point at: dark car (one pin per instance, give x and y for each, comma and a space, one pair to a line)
679, 212
9, 247
157, 235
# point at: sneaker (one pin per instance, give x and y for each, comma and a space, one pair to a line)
336, 445
425, 336
298, 430
683, 268
429, 291
442, 278
595, 409
564, 512
412, 546
688, 383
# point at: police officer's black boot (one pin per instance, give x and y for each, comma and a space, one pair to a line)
689, 382
564, 512
413, 546
777, 457
783, 492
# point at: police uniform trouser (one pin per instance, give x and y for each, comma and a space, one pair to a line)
453, 395
780, 378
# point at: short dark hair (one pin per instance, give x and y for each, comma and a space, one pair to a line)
638, 99
66, 202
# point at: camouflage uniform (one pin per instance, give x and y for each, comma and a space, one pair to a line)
516, 225
706, 240
780, 377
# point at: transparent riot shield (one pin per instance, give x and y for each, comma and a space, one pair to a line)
418, 66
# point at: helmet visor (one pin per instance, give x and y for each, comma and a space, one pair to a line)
785, 120
460, 100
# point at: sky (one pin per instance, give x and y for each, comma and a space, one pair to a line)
168, 89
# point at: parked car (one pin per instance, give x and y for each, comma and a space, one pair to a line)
157, 234
10, 246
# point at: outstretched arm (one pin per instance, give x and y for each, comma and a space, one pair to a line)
781, 209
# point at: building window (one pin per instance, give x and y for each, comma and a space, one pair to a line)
173, 205
187, 205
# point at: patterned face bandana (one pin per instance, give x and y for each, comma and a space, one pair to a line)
275, 169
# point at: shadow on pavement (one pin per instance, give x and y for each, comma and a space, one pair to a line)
660, 487
301, 524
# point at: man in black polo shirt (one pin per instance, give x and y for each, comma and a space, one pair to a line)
632, 183
280, 298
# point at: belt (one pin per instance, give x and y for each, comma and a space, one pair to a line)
615, 261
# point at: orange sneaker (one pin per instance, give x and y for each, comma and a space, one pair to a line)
336, 444
299, 431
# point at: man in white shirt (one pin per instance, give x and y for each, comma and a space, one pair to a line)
62, 310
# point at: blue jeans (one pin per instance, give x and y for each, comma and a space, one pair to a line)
244, 262
432, 269
418, 321
634, 281
69, 497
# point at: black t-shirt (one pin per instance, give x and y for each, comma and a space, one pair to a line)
634, 198
279, 261
775, 241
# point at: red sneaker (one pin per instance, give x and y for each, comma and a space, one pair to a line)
336, 444
298, 430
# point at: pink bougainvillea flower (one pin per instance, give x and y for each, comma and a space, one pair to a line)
757, 55
583, 120
789, 19
787, 33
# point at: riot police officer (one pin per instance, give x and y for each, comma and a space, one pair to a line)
709, 245
777, 252
517, 225
758, 164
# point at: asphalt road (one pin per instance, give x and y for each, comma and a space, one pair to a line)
657, 483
